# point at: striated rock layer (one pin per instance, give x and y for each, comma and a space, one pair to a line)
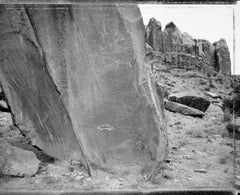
76, 83
182, 51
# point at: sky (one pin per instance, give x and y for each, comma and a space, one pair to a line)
210, 22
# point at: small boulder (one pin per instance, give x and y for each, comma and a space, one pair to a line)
16, 161
183, 109
213, 95
191, 99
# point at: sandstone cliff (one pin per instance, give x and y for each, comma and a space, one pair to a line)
183, 51
76, 84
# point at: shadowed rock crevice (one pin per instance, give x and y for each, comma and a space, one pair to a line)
3, 96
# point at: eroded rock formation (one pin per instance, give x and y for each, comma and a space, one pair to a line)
181, 50
76, 84
191, 99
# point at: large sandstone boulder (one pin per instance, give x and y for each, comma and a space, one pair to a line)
183, 109
16, 161
191, 99
76, 78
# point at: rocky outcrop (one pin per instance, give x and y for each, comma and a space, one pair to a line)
154, 35
16, 161
183, 109
76, 83
191, 99
182, 51
222, 57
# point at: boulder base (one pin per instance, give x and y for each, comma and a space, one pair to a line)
191, 99
182, 109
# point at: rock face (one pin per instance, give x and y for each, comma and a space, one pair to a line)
32, 96
16, 161
76, 80
223, 57
154, 35
191, 99
182, 51
183, 109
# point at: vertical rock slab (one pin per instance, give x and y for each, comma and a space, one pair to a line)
154, 35
188, 43
172, 38
36, 106
207, 51
223, 57
95, 55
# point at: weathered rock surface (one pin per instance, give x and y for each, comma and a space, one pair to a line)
172, 38
213, 95
34, 101
76, 79
16, 161
182, 51
154, 35
183, 109
223, 57
191, 99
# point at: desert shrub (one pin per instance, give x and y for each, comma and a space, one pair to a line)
207, 88
202, 82
211, 85
219, 79
165, 92
228, 104
237, 88
230, 127
227, 117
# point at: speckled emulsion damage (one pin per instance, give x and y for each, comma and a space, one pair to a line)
77, 84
